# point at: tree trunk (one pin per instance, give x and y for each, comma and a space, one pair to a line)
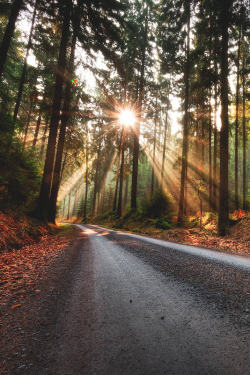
63, 210
119, 206
38, 123
137, 129
61, 140
126, 192
96, 184
210, 126
23, 76
210, 155
185, 124
68, 206
117, 180
153, 161
17, 4
164, 146
236, 166
43, 201
223, 197
27, 125
244, 135
86, 181
215, 181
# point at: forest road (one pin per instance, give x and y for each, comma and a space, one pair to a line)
141, 306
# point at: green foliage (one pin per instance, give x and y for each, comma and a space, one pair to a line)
20, 173
161, 224
156, 205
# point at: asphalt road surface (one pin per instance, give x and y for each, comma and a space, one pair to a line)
114, 303
141, 306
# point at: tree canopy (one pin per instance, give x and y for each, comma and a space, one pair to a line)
71, 70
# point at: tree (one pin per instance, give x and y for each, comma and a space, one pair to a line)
223, 220
186, 119
22, 80
15, 9
43, 201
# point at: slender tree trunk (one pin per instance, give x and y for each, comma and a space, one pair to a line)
75, 202
210, 124
210, 155
86, 181
69, 206
153, 161
126, 192
185, 124
61, 140
236, 164
38, 123
116, 182
203, 122
63, 165
223, 198
44, 138
164, 146
23, 76
137, 130
27, 125
43, 201
63, 210
119, 206
215, 179
197, 136
96, 184
117, 174
16, 7
244, 135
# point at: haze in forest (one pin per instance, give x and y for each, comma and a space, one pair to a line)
125, 109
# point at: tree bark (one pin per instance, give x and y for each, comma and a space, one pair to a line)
44, 139
153, 161
86, 181
68, 206
164, 146
223, 221
61, 140
43, 201
117, 178
244, 135
137, 129
27, 125
215, 182
119, 206
38, 123
185, 123
23, 76
96, 184
16, 7
236, 164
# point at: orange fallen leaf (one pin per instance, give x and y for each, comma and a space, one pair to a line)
14, 306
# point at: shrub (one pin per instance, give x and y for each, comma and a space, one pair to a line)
20, 174
156, 205
161, 224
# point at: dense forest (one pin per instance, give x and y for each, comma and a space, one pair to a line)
112, 107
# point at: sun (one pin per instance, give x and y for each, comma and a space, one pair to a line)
127, 117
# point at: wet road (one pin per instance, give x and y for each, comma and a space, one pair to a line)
141, 306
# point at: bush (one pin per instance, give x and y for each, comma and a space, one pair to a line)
20, 174
161, 224
156, 205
